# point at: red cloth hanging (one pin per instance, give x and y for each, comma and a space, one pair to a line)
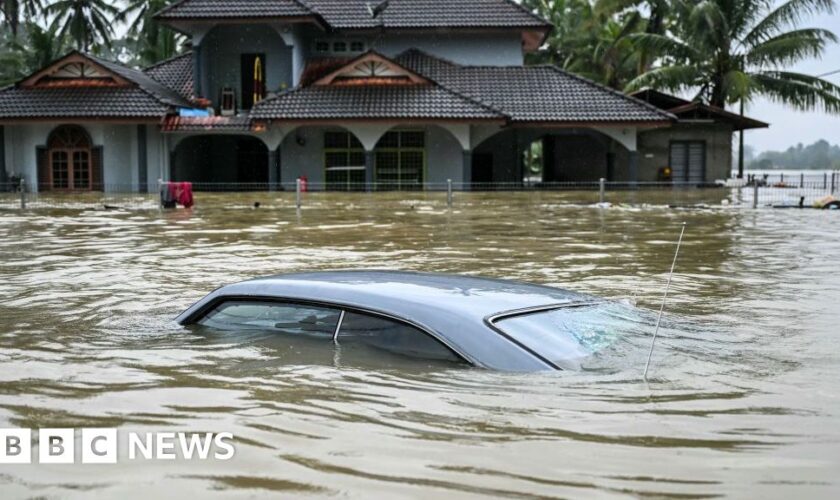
181, 192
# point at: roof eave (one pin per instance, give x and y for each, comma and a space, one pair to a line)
178, 22
591, 123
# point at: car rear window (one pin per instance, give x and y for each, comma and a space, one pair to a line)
568, 335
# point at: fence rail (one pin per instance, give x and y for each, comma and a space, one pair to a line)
753, 192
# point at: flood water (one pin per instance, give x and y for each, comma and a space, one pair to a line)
743, 399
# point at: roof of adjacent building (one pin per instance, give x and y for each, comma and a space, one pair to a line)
686, 110
137, 96
178, 123
175, 73
535, 93
414, 102
355, 14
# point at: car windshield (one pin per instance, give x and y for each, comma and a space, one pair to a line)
568, 335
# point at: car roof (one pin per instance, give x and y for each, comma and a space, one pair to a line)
453, 307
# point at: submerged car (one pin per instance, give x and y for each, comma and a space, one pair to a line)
488, 323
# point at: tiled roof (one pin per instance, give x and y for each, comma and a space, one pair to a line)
238, 9
76, 102
175, 73
346, 14
354, 14
371, 102
535, 93
144, 97
145, 82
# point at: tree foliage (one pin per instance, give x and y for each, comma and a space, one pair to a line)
722, 51
818, 156
728, 51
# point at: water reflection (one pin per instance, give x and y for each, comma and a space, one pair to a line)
741, 400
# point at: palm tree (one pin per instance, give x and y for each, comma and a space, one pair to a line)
609, 55
592, 42
731, 51
151, 41
12, 10
35, 48
657, 21
87, 22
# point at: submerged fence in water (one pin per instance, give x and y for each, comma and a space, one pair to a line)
761, 191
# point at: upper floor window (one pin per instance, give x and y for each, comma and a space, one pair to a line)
339, 47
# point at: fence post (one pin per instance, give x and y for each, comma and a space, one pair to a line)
801, 180
832, 181
825, 181
755, 195
297, 194
449, 193
22, 194
782, 177
601, 188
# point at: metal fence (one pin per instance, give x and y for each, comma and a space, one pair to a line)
771, 191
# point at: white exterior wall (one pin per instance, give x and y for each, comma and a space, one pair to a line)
477, 49
119, 153
444, 157
503, 48
444, 154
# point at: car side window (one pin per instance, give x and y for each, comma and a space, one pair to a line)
392, 336
283, 317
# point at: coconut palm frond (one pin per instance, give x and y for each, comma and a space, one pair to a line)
790, 47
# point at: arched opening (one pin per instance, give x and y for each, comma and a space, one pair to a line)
222, 162
330, 158
544, 156
400, 160
69, 161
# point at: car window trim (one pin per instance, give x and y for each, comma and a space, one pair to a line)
491, 320
212, 304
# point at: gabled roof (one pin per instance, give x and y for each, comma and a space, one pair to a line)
371, 68
79, 85
372, 86
536, 94
175, 73
687, 111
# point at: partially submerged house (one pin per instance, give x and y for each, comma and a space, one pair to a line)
403, 95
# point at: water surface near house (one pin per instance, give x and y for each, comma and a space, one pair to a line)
743, 403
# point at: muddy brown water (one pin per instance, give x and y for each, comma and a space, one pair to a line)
743, 399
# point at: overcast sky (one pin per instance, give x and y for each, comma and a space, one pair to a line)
788, 127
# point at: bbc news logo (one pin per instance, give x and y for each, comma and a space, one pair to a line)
103, 446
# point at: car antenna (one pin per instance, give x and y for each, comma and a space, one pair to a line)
664, 299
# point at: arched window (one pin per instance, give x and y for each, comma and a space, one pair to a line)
67, 162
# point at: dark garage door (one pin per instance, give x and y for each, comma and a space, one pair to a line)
688, 161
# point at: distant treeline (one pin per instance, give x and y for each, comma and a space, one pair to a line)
818, 156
